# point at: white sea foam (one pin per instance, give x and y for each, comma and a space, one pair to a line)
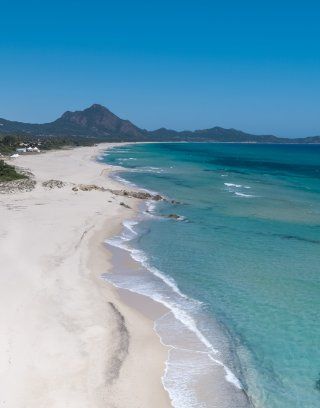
178, 303
141, 257
151, 205
230, 377
123, 181
176, 381
234, 189
233, 185
243, 195
149, 169
129, 224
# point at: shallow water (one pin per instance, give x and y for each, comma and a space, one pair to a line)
240, 274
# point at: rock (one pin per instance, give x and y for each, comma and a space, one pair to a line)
157, 197
17, 186
88, 187
175, 217
53, 183
141, 195
125, 205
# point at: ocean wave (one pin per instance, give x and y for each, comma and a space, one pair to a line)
149, 169
140, 256
129, 224
243, 194
234, 189
121, 180
151, 206
235, 185
230, 377
232, 185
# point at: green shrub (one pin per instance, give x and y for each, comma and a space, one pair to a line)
9, 173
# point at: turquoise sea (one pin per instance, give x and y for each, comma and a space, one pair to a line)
240, 270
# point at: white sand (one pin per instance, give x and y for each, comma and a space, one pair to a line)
66, 339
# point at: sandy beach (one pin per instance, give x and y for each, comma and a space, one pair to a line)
67, 337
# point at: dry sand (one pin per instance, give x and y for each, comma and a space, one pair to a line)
67, 340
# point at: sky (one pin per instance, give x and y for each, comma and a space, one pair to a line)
249, 65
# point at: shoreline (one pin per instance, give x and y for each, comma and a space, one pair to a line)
191, 370
55, 306
189, 349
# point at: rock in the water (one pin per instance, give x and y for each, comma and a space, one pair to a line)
175, 217
141, 195
157, 197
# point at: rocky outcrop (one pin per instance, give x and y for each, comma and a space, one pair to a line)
53, 184
88, 187
175, 217
17, 186
141, 195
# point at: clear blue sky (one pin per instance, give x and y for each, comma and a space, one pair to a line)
251, 65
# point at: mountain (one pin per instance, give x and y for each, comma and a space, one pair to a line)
96, 121
216, 134
99, 123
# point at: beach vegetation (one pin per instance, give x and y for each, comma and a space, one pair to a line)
9, 173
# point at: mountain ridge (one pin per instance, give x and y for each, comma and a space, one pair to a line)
100, 123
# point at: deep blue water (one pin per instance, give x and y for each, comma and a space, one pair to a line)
248, 250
